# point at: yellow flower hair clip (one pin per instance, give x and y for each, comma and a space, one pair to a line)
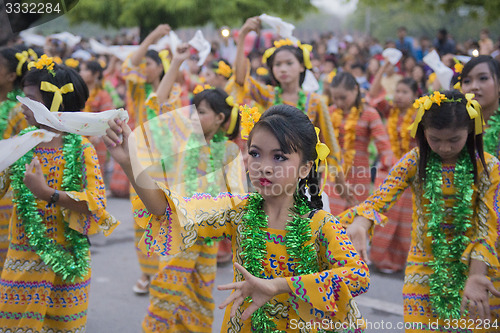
424, 103
249, 117
331, 75
306, 51
224, 70
322, 150
199, 88
44, 62
261, 71
70, 62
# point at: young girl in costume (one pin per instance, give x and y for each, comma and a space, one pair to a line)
292, 258
99, 100
143, 71
455, 215
287, 63
181, 292
13, 64
59, 199
356, 125
390, 244
481, 77
218, 73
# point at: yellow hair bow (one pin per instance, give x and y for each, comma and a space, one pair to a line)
58, 92
322, 150
234, 114
22, 58
164, 60
474, 110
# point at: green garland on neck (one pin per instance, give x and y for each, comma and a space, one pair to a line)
5, 108
449, 275
254, 248
71, 261
491, 135
162, 136
192, 160
301, 103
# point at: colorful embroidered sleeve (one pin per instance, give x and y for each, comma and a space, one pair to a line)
134, 74
260, 93
94, 195
379, 134
173, 103
15, 123
344, 275
319, 115
186, 219
482, 245
387, 193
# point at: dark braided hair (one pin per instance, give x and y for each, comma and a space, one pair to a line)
295, 133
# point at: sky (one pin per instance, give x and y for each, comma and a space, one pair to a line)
339, 7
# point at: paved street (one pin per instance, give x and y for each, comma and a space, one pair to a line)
114, 308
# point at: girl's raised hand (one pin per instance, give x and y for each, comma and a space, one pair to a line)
159, 32
260, 290
358, 232
116, 140
35, 180
182, 53
251, 24
475, 297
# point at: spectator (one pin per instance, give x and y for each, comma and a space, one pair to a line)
443, 43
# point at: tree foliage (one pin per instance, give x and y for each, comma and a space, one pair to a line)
489, 9
147, 14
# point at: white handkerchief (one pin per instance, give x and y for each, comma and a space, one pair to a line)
15, 148
68, 38
83, 123
443, 73
462, 58
171, 40
201, 45
392, 55
310, 83
119, 51
32, 39
282, 28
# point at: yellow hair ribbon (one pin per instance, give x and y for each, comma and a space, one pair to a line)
22, 58
418, 117
57, 99
234, 114
322, 150
164, 60
33, 54
306, 50
474, 110
269, 52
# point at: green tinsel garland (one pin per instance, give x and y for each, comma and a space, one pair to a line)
69, 262
161, 137
449, 275
254, 248
5, 108
492, 135
192, 160
301, 103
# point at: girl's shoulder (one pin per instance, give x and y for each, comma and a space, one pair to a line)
492, 164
